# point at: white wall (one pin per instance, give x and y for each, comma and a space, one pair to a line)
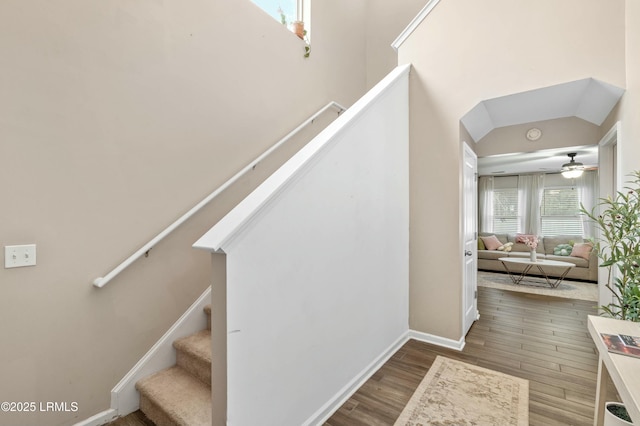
317, 274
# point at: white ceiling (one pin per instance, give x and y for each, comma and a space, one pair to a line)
546, 161
589, 99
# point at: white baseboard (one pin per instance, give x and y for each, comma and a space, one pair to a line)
326, 411
100, 418
457, 345
125, 400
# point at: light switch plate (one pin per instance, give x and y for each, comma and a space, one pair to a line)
18, 256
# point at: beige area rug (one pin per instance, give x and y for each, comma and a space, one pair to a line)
457, 393
537, 285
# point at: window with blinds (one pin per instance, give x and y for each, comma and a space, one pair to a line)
505, 210
560, 212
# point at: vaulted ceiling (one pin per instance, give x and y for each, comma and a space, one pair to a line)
589, 99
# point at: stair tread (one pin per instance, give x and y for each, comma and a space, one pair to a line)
197, 345
184, 398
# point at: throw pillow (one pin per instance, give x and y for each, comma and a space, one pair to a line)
582, 250
563, 250
522, 238
505, 247
491, 242
481, 244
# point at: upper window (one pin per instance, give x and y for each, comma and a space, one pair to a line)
285, 11
560, 212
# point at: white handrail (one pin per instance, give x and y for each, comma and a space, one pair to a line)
101, 281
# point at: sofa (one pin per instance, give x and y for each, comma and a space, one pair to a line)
586, 265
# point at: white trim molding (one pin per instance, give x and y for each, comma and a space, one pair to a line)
457, 345
431, 4
327, 410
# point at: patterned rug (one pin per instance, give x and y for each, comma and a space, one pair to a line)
530, 284
457, 393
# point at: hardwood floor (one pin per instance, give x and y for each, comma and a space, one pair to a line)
137, 418
539, 338
542, 339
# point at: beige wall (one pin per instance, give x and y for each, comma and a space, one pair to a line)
558, 133
465, 52
116, 118
385, 21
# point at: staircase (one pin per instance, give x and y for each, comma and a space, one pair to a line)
181, 395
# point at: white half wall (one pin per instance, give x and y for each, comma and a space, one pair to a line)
317, 265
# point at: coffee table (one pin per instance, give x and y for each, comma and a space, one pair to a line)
538, 264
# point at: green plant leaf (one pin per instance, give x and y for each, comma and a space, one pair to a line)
619, 248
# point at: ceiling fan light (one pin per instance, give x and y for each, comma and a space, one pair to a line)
572, 174
572, 169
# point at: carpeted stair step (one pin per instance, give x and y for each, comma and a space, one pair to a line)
173, 397
207, 310
193, 353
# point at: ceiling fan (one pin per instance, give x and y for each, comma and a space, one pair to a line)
572, 169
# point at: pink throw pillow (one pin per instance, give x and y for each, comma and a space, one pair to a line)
522, 238
582, 250
491, 242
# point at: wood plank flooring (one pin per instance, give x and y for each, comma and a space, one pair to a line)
137, 418
542, 339
539, 338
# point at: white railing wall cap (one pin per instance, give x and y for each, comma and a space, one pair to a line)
224, 232
101, 281
414, 23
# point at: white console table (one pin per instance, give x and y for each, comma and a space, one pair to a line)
623, 370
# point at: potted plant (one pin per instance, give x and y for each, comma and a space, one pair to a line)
619, 249
616, 415
298, 29
618, 220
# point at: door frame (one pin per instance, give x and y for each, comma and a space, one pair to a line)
610, 181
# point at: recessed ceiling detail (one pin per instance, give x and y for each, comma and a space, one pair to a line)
589, 99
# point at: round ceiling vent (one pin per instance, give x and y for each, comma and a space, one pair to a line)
534, 134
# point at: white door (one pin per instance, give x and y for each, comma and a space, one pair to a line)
470, 235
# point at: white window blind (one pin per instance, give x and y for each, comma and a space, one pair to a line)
560, 212
505, 210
